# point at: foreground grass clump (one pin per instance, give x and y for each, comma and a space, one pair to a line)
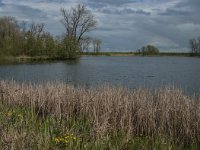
59, 116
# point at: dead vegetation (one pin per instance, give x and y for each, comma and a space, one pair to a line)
153, 113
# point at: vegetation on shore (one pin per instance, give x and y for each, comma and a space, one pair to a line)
31, 40
59, 116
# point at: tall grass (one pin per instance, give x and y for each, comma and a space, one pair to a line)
109, 111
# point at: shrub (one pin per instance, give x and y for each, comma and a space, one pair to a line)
149, 50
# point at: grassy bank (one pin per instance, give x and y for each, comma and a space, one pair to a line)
21, 59
108, 54
133, 54
175, 54
59, 116
27, 59
12, 59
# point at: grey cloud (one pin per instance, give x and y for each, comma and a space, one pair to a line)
171, 12
122, 24
124, 11
111, 2
1, 3
142, 12
191, 3
193, 6
21, 12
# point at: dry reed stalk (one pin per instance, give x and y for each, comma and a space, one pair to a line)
165, 111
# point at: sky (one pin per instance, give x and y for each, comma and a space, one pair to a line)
123, 25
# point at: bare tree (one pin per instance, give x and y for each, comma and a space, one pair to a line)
85, 44
198, 47
36, 30
77, 21
97, 45
194, 44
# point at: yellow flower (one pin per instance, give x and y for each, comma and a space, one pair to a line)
9, 114
65, 139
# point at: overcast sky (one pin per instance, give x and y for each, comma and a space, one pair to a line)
123, 25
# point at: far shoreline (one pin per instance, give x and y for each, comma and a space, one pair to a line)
25, 58
135, 54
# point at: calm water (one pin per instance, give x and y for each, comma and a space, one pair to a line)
132, 72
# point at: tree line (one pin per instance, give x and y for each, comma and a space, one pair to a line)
20, 38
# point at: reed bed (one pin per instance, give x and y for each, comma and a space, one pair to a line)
139, 113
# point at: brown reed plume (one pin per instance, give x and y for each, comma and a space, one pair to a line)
165, 111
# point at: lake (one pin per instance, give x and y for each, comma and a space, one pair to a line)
131, 72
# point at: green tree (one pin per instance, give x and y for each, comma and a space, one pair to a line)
149, 50
18, 39
9, 36
34, 37
69, 48
49, 45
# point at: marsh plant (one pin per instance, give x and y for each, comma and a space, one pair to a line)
60, 116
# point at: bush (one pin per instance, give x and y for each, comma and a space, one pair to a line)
149, 50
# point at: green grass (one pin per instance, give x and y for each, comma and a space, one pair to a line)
21, 128
107, 54
27, 59
174, 54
